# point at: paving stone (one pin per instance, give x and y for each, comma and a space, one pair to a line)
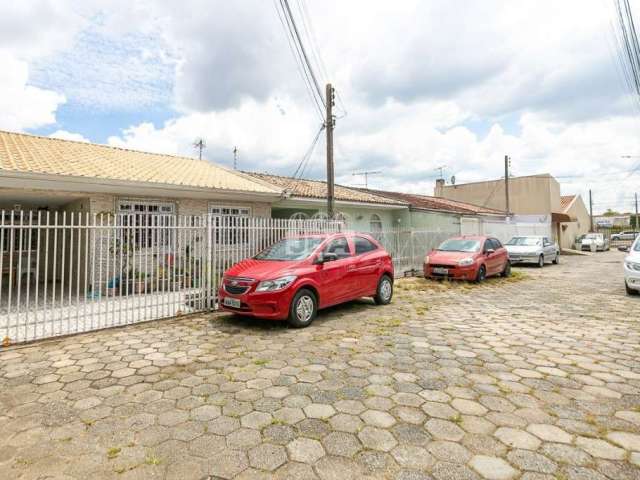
550, 433
600, 448
318, 410
267, 456
228, 463
444, 430
516, 438
341, 444
452, 471
449, 452
377, 439
411, 456
305, 450
532, 461
256, 420
493, 468
626, 440
377, 418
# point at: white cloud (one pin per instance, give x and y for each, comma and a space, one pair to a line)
21, 105
64, 135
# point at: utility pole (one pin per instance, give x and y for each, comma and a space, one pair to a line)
366, 175
591, 210
235, 158
200, 145
329, 124
507, 160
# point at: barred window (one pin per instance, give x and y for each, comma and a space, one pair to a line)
231, 224
147, 221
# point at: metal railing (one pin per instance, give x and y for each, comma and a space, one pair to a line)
70, 272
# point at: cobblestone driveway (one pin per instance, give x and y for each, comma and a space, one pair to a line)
537, 378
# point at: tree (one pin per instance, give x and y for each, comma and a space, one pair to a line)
610, 213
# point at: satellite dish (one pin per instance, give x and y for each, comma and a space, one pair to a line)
453, 179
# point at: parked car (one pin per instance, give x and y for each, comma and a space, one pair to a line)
533, 249
295, 277
632, 269
628, 235
600, 241
468, 258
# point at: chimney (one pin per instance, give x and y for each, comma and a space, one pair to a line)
439, 190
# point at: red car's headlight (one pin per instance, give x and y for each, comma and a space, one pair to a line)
277, 284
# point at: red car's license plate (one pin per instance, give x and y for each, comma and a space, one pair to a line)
440, 270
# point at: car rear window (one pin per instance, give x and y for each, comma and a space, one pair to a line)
363, 245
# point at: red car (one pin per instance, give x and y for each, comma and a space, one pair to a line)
295, 277
468, 258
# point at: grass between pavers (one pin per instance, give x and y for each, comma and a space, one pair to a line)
419, 284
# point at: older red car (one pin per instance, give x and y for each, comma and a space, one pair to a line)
468, 258
295, 277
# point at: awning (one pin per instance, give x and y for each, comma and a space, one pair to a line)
561, 218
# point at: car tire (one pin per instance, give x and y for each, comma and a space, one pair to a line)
507, 270
540, 261
556, 260
384, 292
481, 275
303, 309
630, 291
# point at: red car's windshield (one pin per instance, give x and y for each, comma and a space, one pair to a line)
290, 249
459, 245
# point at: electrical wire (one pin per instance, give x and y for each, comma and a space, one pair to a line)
302, 165
296, 56
293, 28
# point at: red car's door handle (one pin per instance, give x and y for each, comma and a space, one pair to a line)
350, 268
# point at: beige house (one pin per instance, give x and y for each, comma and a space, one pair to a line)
533, 195
46, 174
574, 207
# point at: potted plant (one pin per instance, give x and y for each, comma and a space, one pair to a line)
140, 281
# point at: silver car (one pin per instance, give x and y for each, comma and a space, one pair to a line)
598, 242
533, 249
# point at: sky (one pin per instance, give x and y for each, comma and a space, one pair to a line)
420, 85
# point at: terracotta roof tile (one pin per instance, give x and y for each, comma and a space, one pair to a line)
437, 203
34, 154
565, 201
318, 189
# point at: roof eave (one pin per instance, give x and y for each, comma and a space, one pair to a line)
295, 200
43, 181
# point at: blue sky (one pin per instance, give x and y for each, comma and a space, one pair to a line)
423, 84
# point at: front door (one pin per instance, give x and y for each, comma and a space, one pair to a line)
335, 276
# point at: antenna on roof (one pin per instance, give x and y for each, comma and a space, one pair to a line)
366, 175
200, 145
441, 170
453, 179
235, 158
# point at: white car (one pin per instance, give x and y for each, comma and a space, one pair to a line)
632, 269
599, 240
532, 249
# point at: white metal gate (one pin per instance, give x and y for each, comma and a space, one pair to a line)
69, 272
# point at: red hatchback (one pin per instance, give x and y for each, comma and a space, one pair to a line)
295, 277
468, 258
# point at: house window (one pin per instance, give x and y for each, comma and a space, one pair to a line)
299, 216
375, 223
146, 219
319, 216
231, 224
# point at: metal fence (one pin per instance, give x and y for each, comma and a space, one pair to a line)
69, 272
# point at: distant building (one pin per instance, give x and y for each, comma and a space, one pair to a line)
534, 195
606, 221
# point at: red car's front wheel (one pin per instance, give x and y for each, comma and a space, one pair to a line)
303, 309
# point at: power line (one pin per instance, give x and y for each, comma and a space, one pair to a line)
296, 57
310, 33
294, 29
302, 165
